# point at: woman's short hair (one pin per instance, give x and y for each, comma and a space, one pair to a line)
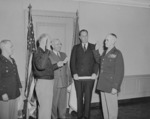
114, 35
40, 39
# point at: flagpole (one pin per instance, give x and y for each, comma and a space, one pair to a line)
73, 98
77, 14
30, 7
29, 13
28, 56
76, 40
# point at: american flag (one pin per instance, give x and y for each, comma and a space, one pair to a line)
30, 35
30, 81
30, 51
76, 31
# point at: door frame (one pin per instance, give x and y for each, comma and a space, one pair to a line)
46, 13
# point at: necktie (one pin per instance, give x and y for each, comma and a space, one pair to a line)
84, 47
58, 54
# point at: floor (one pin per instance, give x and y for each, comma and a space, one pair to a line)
131, 109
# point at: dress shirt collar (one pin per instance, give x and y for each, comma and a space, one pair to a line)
56, 52
86, 45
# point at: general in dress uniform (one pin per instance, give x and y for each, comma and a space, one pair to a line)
9, 82
110, 77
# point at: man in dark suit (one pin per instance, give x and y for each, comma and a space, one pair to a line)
62, 79
111, 75
84, 69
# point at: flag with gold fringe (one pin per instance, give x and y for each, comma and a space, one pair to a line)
30, 81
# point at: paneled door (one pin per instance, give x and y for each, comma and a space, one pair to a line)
57, 25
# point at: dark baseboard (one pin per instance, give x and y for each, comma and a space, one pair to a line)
125, 102
134, 101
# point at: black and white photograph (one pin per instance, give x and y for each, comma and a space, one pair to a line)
74, 59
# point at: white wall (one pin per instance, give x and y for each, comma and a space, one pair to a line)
131, 24
12, 27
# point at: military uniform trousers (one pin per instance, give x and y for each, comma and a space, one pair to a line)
44, 91
8, 110
109, 105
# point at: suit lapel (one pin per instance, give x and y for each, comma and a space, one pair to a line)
88, 47
55, 57
81, 48
61, 57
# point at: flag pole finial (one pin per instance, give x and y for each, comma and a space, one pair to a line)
30, 6
77, 13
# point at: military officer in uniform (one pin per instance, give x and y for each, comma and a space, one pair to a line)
111, 75
9, 82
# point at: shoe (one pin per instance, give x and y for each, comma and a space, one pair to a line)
79, 118
74, 113
85, 118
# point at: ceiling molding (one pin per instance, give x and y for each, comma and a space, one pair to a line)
134, 3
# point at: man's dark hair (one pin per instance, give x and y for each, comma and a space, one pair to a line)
113, 35
83, 30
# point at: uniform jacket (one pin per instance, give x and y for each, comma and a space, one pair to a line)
9, 78
111, 70
42, 66
83, 63
62, 76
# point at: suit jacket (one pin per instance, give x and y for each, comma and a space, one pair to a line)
111, 70
9, 78
83, 63
62, 76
